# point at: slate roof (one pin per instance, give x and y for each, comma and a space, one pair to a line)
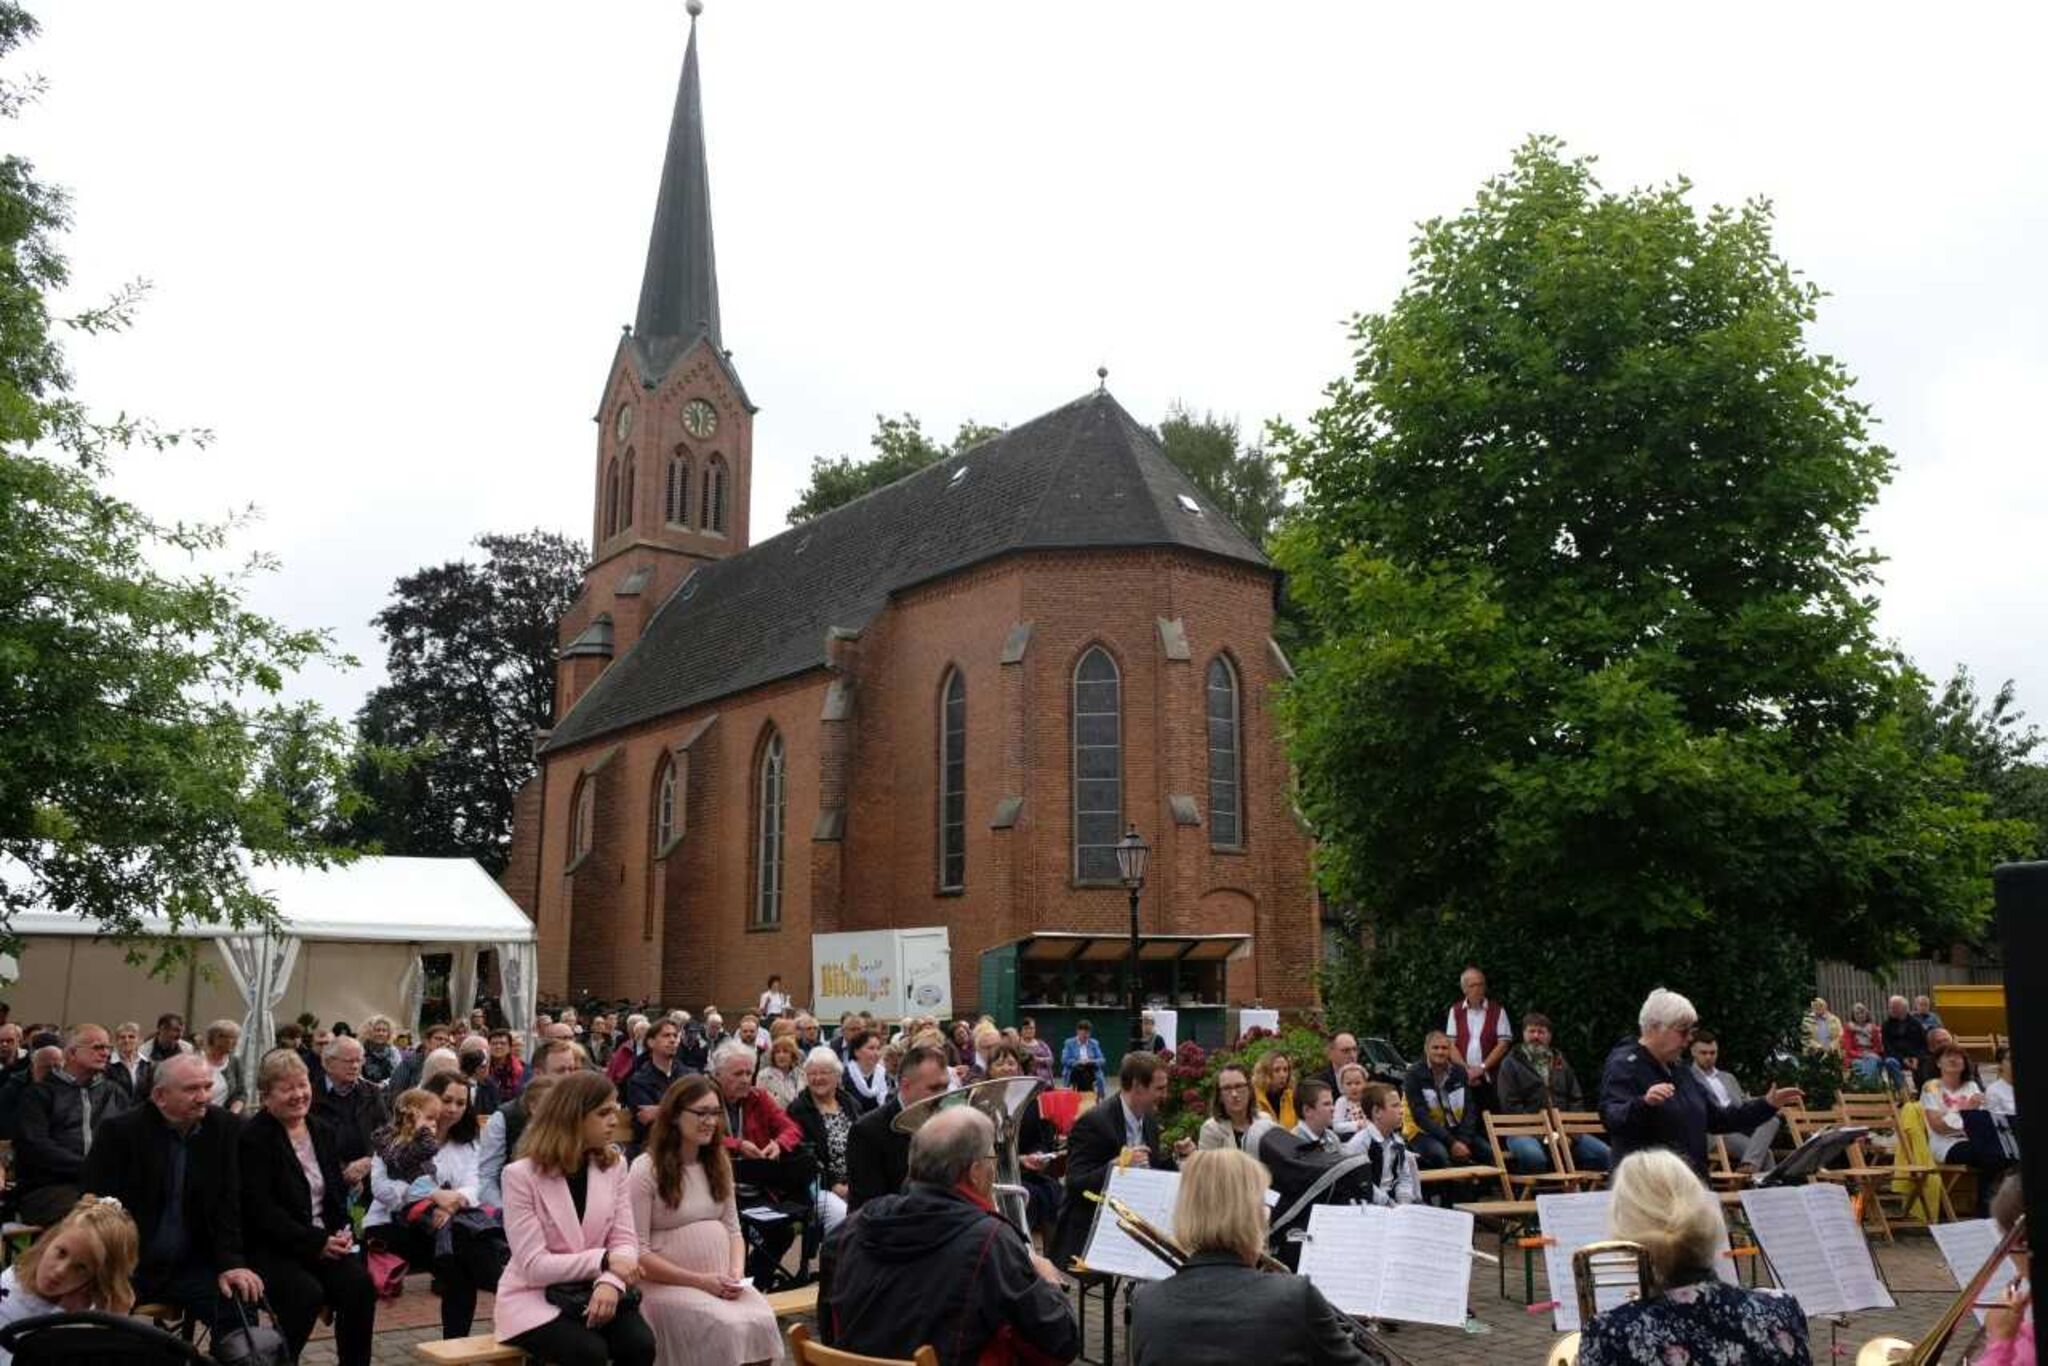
679, 290
1085, 475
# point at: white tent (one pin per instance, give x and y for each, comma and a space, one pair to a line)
348, 944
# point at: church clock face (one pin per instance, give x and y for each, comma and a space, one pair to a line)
700, 419
623, 424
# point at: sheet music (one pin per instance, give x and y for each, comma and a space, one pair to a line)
1966, 1246
1570, 1221
1412, 1263
1151, 1195
1816, 1247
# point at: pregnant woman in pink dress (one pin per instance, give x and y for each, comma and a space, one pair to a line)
692, 1256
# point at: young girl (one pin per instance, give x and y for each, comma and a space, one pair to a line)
407, 1144
1351, 1082
83, 1261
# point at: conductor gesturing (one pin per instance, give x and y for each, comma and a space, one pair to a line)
1647, 1101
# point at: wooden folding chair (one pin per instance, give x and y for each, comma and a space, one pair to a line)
1518, 1185
1980, 1047
1572, 1125
1721, 1172
805, 1352
1879, 1113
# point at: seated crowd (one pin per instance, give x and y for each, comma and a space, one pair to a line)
596, 1182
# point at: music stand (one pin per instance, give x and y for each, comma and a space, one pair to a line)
1806, 1160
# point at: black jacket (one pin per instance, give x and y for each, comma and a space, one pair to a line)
1681, 1123
1526, 1091
932, 1267
130, 1156
1093, 1145
49, 1148
877, 1157
646, 1085
804, 1110
276, 1201
353, 1117
1219, 1312
1416, 1091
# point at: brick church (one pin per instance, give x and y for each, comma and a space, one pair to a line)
941, 704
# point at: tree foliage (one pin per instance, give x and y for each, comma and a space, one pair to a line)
447, 741
130, 756
1997, 747
1592, 695
900, 448
1243, 481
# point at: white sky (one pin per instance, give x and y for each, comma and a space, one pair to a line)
393, 244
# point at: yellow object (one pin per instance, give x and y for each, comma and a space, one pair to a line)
1913, 1150
1971, 1008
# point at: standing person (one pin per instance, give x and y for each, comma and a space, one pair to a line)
59, 1119
85, 1260
938, 1265
658, 1069
295, 1215
1037, 1052
1118, 1133
1692, 1315
1234, 1120
1441, 1104
219, 1042
774, 1000
175, 1166
128, 1067
1481, 1030
1081, 1060
877, 1157
1753, 1148
1535, 1077
1220, 1309
569, 1222
1649, 1100
380, 1058
866, 1077
474, 1259
693, 1263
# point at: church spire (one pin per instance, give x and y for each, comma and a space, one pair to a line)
679, 292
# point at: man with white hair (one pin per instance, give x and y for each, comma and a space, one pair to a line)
1649, 1099
766, 1148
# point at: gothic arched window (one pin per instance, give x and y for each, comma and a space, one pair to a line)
676, 505
712, 508
626, 498
611, 497
1098, 766
582, 819
771, 777
1226, 750
953, 782
668, 808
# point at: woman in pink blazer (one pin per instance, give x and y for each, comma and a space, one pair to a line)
570, 1226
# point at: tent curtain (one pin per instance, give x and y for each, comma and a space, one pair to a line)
462, 982
261, 968
516, 971
412, 990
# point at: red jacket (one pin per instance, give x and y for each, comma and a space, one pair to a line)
762, 1121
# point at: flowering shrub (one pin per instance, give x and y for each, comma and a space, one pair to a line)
1194, 1072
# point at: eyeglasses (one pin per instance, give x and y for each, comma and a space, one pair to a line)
704, 1111
1235, 1086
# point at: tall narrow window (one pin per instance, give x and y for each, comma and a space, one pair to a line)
1226, 814
712, 508
626, 499
770, 811
676, 506
665, 805
953, 783
1098, 766
582, 819
611, 497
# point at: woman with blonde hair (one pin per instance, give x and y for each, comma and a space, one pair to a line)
1220, 1309
1662, 1205
220, 1040
781, 1074
83, 1261
567, 1295
1273, 1088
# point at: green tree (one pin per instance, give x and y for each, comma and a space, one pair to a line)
900, 448
1593, 696
1243, 481
447, 741
1997, 747
130, 758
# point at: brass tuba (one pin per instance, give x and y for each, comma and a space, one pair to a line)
1003, 1100
1899, 1352
1609, 1265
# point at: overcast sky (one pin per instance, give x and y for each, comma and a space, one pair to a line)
392, 244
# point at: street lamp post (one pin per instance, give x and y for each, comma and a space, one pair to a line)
1131, 852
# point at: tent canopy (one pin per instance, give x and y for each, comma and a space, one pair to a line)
373, 899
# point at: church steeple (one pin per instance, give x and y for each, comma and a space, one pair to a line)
679, 292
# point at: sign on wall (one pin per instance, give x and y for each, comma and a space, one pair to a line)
889, 973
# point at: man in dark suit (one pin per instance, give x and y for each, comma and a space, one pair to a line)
174, 1164
877, 1157
1128, 1121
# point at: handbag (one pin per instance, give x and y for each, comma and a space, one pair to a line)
573, 1297
254, 1343
387, 1272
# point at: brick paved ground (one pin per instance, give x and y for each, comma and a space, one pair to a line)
1919, 1284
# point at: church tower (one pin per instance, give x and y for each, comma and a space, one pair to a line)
674, 462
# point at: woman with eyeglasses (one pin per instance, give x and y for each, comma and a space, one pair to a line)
693, 1260
1233, 1117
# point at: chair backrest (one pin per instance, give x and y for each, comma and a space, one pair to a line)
805, 1352
1980, 1047
1500, 1128
1804, 1123
1873, 1110
91, 1338
1577, 1123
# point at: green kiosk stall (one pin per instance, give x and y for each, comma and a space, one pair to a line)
1060, 978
